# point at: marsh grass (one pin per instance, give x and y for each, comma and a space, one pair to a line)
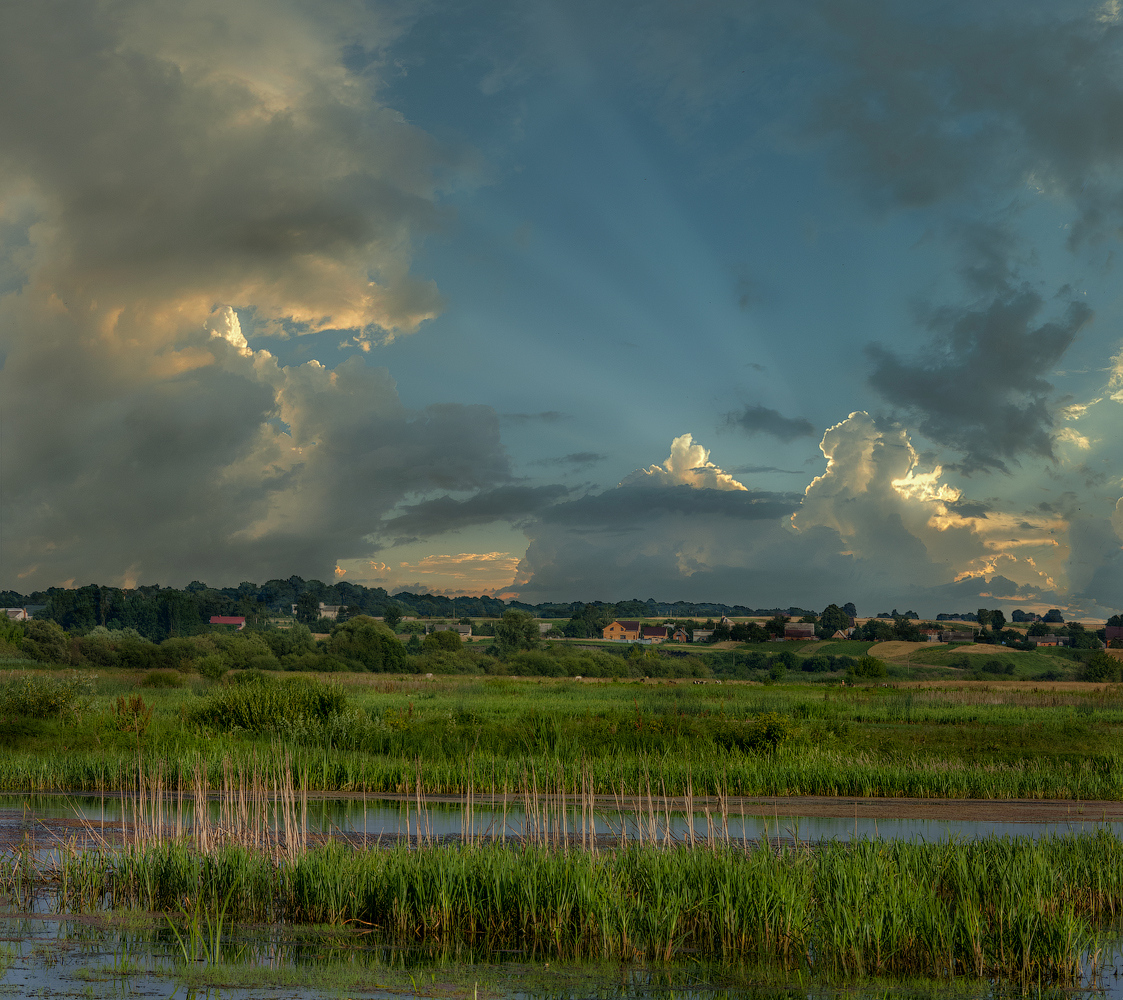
1031, 910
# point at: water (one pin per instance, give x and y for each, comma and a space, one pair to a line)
53, 957
390, 819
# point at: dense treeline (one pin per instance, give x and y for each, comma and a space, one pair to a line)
159, 613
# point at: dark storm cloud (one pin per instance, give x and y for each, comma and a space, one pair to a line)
757, 419
750, 470
627, 506
504, 503
577, 459
545, 417
979, 387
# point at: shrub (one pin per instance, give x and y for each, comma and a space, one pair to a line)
45, 641
213, 666
1101, 667
868, 666
38, 697
257, 702
444, 639
369, 642
816, 664
161, 679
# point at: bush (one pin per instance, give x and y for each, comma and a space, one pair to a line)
817, 664
257, 702
868, 666
38, 697
368, 642
46, 642
444, 639
213, 666
161, 679
1101, 667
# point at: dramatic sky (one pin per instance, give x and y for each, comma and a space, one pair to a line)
766, 303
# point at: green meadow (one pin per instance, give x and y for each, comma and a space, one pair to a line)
383, 733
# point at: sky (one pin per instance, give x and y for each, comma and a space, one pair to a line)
753, 302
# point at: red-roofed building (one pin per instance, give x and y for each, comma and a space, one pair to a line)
1114, 632
653, 633
240, 621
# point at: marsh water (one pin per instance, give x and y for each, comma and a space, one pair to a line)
388, 820
54, 957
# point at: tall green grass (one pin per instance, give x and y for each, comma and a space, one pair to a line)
998, 907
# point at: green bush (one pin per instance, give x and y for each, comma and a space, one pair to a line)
257, 702
44, 697
46, 642
1101, 667
162, 679
368, 642
212, 666
444, 639
868, 666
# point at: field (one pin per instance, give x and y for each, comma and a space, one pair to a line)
384, 733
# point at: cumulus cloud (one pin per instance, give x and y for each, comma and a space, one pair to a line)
687, 465
876, 528
170, 165
757, 419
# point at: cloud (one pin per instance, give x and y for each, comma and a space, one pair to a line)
757, 419
750, 470
689, 465
476, 572
503, 503
170, 165
875, 528
952, 393
577, 459
546, 417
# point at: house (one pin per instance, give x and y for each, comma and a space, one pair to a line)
680, 635
727, 621
16, 614
622, 631
238, 620
930, 636
1051, 640
841, 635
956, 635
464, 631
1113, 632
653, 633
799, 630
326, 610
703, 634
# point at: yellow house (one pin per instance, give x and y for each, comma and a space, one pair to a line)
622, 631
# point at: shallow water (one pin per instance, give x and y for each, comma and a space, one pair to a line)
390, 819
55, 957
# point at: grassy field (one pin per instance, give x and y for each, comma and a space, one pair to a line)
368, 732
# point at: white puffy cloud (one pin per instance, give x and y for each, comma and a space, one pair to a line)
875, 528
687, 465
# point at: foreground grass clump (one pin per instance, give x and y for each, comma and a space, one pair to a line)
997, 907
257, 702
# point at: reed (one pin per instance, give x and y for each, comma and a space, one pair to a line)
1010, 908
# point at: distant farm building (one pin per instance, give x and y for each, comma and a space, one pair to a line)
799, 630
622, 631
653, 633
237, 620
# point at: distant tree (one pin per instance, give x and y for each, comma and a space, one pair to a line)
369, 642
868, 666
1116, 621
1039, 628
997, 621
983, 617
1054, 616
850, 609
833, 619
514, 631
775, 625
721, 633
392, 615
1080, 638
444, 639
307, 608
